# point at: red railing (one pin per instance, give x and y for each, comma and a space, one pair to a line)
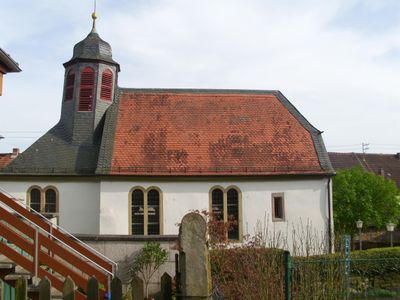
47, 250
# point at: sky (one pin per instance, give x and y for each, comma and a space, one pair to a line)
337, 61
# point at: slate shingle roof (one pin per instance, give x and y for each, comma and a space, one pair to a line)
387, 165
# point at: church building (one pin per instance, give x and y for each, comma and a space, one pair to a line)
134, 161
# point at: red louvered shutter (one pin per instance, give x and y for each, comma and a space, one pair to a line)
69, 88
106, 85
86, 90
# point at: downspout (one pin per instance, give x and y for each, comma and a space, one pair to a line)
330, 216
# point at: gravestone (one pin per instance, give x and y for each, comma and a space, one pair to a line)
194, 259
44, 289
166, 287
137, 288
68, 289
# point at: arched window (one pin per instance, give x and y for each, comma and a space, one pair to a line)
44, 201
86, 93
218, 204
35, 197
69, 87
233, 213
137, 212
106, 85
50, 205
153, 212
225, 205
146, 211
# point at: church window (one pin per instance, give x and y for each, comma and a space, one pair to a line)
86, 93
106, 85
146, 211
50, 205
69, 87
278, 207
225, 205
137, 212
233, 213
35, 199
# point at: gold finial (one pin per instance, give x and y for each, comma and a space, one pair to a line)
94, 16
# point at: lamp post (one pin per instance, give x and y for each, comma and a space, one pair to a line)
359, 225
390, 228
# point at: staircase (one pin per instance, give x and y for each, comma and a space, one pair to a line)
32, 247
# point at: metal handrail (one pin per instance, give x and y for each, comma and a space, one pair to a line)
63, 230
57, 239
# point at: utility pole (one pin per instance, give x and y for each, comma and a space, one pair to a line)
365, 147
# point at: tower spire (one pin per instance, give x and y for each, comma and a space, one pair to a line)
94, 16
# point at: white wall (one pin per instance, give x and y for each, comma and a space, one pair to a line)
78, 201
103, 207
305, 203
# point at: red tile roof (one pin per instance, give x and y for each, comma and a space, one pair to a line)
387, 165
5, 159
210, 133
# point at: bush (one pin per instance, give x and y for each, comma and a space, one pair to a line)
377, 262
248, 272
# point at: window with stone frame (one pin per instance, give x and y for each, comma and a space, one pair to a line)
225, 206
35, 195
44, 201
278, 207
146, 211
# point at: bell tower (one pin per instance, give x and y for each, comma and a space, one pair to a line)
89, 87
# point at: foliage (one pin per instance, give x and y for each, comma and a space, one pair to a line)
248, 272
360, 195
376, 262
217, 229
149, 259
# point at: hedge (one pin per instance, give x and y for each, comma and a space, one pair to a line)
258, 273
248, 273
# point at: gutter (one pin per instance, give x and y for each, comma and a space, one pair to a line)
330, 217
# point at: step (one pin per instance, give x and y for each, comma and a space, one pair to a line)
16, 276
6, 265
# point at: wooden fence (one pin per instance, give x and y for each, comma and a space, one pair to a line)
44, 291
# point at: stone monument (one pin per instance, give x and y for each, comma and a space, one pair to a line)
194, 259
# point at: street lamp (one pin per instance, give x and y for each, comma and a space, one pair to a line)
390, 228
359, 225
1, 137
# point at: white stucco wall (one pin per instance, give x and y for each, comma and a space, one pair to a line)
103, 207
79, 205
306, 205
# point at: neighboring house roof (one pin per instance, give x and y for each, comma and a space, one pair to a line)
387, 165
149, 132
7, 64
7, 158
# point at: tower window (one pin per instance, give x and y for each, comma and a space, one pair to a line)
69, 87
106, 85
86, 90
